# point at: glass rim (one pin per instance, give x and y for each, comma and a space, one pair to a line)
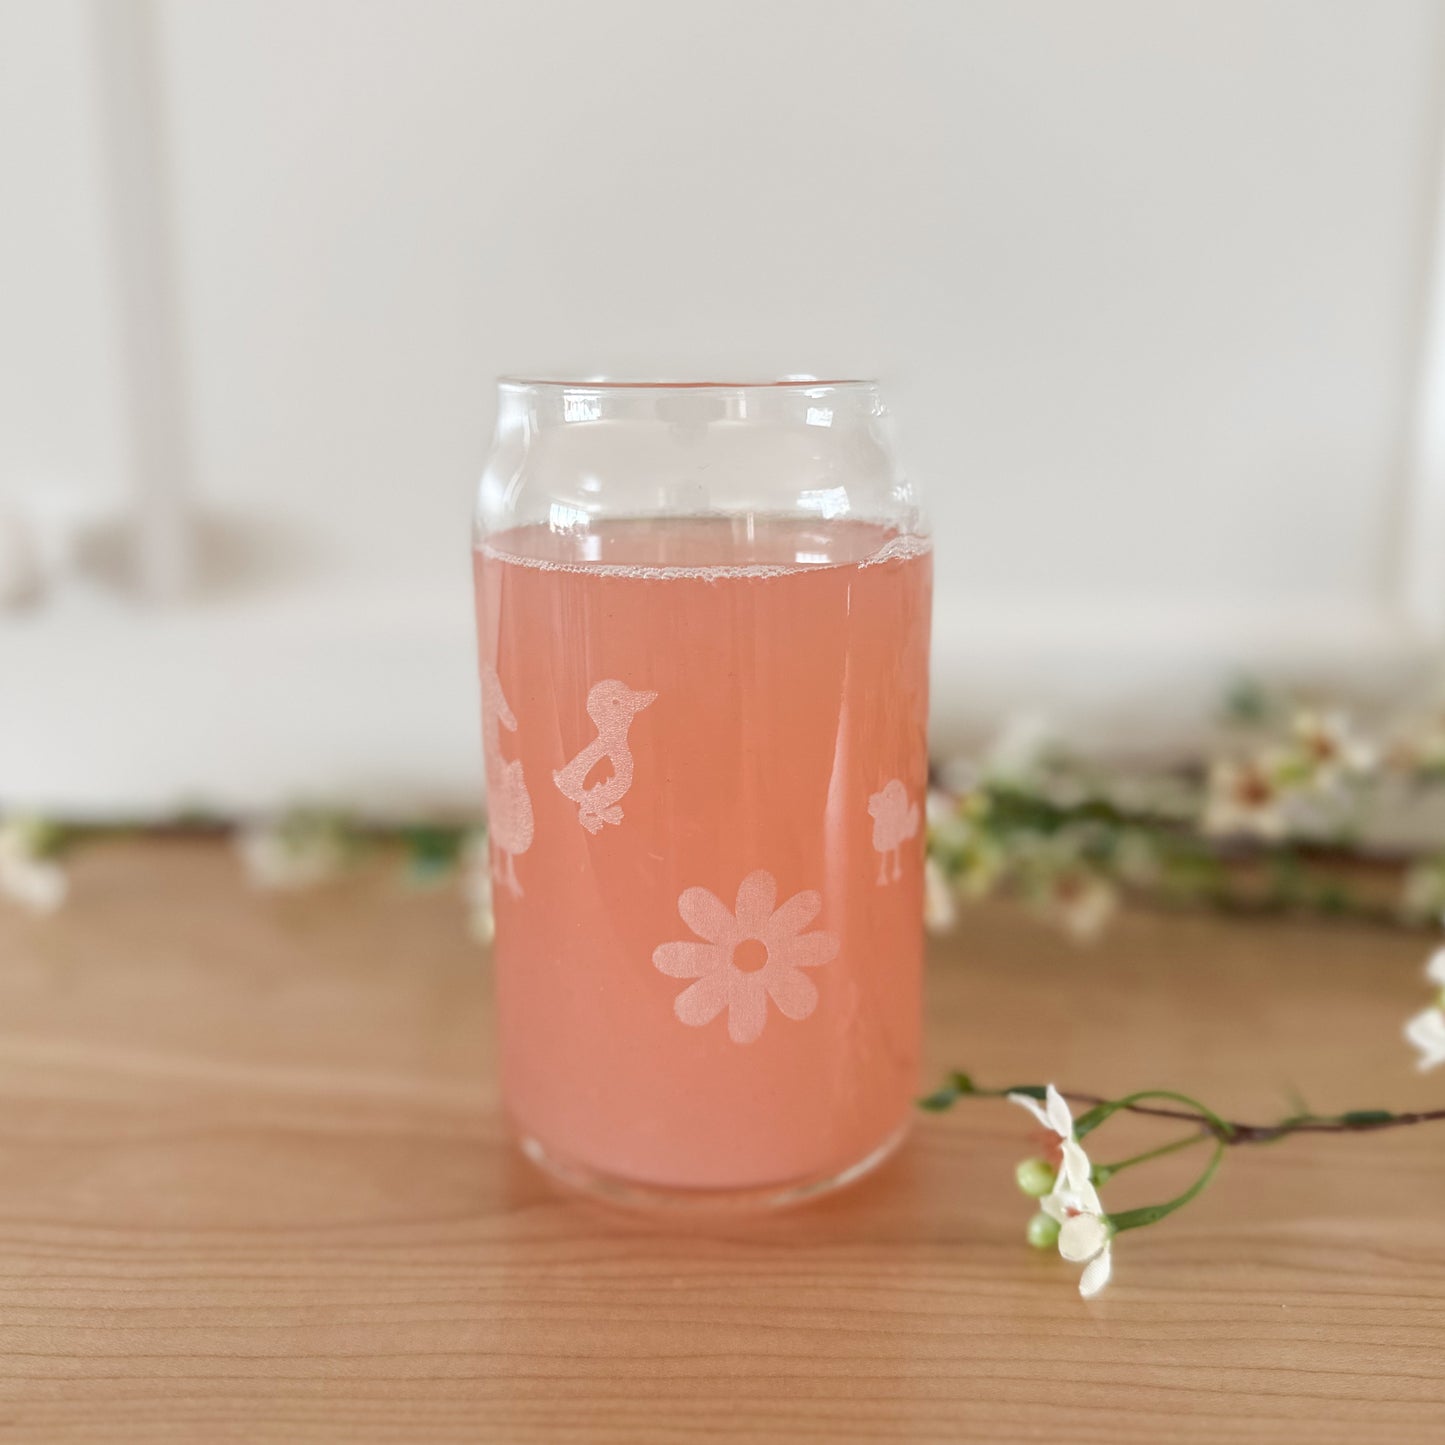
512, 382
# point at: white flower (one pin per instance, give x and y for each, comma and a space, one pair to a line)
1427, 1029
1421, 749
1025, 744
751, 954
1243, 798
1085, 1235
1427, 1032
27, 877
1082, 901
477, 887
288, 856
940, 907
959, 776
1053, 1113
1435, 968
970, 860
1331, 750
939, 808
947, 827
1423, 892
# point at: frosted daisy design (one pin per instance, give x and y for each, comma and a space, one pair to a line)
749, 954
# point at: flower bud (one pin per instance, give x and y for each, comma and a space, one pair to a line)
1035, 1177
1043, 1232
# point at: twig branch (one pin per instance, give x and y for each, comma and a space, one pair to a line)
1227, 1131
1356, 1121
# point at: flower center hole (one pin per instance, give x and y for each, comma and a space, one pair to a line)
750, 955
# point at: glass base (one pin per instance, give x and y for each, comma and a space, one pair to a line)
629, 1194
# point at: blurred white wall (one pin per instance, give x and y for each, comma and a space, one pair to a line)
1149, 282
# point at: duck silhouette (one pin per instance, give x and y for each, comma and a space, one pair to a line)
611, 705
509, 807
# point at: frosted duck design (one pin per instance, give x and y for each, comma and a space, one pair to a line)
510, 826
895, 821
611, 705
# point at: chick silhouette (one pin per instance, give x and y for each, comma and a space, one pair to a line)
895, 821
509, 807
611, 705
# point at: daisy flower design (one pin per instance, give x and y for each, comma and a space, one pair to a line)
749, 954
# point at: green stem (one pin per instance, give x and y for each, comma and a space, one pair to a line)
1352, 1121
1152, 1213
1104, 1172
1090, 1121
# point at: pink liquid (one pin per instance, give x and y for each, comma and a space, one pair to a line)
767, 685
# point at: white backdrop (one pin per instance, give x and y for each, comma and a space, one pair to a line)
1149, 282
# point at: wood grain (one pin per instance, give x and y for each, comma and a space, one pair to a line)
254, 1186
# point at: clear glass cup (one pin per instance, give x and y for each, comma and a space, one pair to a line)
703, 616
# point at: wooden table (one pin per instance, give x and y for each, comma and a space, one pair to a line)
255, 1186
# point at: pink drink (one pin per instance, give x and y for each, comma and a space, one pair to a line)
706, 759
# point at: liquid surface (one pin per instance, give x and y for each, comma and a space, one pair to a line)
706, 757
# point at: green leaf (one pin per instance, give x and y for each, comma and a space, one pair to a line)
1248, 703
1363, 1118
939, 1101
1087, 1122
1153, 1213
431, 853
958, 1086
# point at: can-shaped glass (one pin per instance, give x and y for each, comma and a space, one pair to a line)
703, 620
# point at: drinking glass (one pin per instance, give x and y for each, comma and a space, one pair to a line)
703, 619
